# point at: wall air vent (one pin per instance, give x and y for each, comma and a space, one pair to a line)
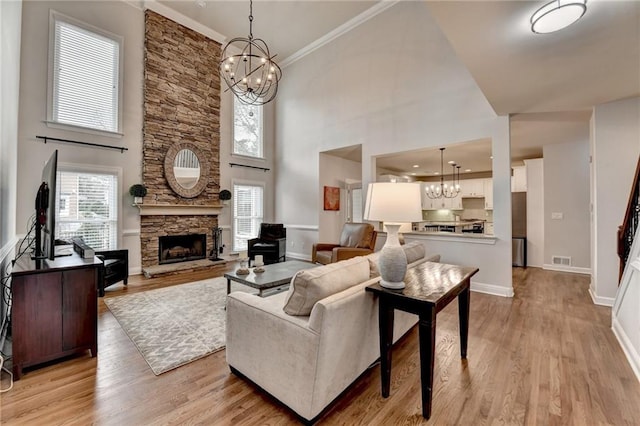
561, 260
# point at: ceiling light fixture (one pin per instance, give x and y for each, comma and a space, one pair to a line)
444, 190
557, 15
248, 68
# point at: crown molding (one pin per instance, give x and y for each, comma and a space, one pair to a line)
337, 32
181, 19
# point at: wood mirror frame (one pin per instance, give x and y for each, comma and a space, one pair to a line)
169, 173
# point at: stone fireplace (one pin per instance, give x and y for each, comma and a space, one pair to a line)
181, 248
181, 106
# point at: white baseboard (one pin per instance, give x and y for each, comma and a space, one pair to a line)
135, 271
572, 269
632, 355
492, 289
599, 300
299, 256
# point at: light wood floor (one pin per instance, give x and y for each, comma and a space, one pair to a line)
546, 356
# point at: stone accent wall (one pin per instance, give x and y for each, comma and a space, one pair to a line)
153, 227
181, 104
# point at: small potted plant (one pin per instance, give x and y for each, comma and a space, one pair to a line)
138, 191
225, 196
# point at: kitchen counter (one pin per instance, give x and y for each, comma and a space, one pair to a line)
441, 236
451, 226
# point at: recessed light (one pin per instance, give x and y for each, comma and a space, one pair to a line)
491, 157
413, 174
451, 162
436, 173
415, 166
467, 170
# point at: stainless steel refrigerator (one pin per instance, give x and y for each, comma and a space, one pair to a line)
519, 228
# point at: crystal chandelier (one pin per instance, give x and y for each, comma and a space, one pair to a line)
445, 190
248, 68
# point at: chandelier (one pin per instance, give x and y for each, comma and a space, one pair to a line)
248, 68
557, 15
445, 190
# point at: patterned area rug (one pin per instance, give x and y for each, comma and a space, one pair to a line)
175, 325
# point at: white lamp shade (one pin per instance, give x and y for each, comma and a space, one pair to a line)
395, 202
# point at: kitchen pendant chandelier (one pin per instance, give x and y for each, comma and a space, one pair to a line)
248, 68
444, 190
557, 15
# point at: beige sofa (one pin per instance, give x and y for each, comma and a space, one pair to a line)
308, 359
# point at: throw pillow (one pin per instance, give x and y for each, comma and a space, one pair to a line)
310, 285
414, 251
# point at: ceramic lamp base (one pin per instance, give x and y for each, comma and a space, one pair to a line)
392, 285
392, 261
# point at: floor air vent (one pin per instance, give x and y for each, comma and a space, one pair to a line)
561, 260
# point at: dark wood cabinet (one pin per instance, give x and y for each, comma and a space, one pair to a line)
54, 309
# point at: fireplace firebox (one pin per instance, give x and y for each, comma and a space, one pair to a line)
182, 248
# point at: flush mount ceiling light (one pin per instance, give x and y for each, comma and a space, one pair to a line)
557, 15
248, 68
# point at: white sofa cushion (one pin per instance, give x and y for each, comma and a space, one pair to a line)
310, 285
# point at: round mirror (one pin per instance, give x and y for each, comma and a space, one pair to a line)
185, 169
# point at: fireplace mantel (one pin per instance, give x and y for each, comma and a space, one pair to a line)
179, 210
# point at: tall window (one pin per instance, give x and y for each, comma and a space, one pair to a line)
247, 214
88, 208
247, 129
85, 75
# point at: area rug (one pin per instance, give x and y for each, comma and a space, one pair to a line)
175, 325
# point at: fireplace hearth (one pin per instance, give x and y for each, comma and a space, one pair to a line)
182, 248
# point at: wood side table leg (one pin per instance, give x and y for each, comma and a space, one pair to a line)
463, 314
427, 329
385, 322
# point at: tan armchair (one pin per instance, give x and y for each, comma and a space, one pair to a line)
357, 239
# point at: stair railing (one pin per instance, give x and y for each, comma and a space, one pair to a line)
627, 230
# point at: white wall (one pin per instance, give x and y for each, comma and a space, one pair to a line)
128, 21
115, 17
535, 212
566, 192
10, 23
392, 84
615, 147
333, 172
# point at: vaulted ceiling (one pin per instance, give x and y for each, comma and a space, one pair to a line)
547, 82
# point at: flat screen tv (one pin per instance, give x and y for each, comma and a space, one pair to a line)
46, 210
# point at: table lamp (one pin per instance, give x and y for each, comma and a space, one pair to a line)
393, 203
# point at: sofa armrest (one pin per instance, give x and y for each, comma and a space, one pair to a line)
343, 253
320, 247
276, 351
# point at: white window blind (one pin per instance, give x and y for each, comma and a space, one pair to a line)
247, 129
247, 214
85, 77
87, 207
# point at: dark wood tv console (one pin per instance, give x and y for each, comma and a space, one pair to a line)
54, 309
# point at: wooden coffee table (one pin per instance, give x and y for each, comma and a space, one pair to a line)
274, 275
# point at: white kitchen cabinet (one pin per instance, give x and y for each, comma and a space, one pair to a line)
488, 194
519, 179
472, 188
455, 203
